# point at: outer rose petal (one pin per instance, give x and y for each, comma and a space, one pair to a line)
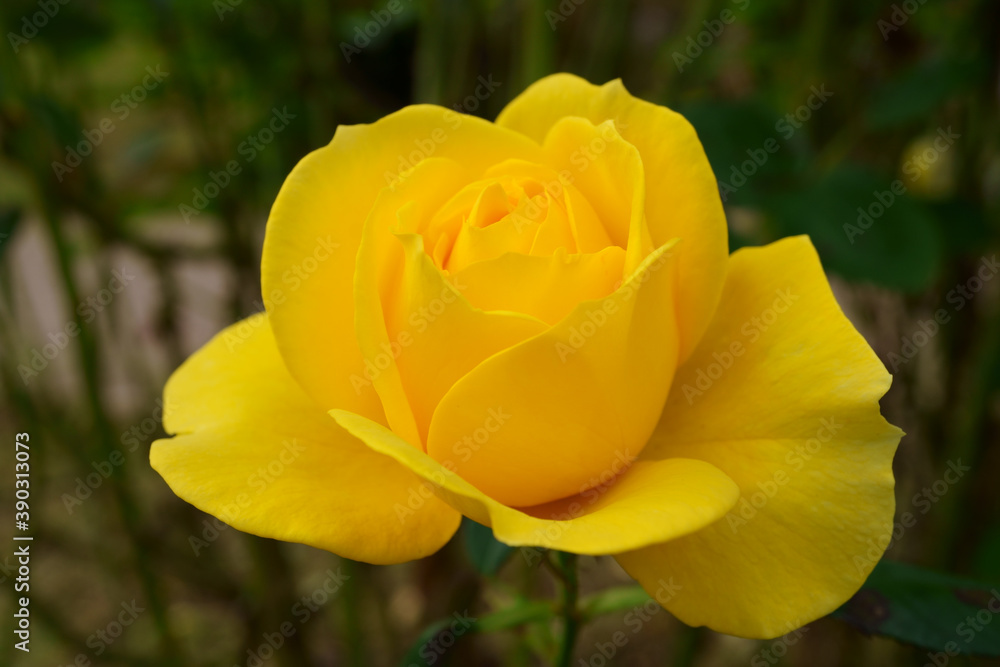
795, 422
307, 286
682, 198
651, 502
237, 413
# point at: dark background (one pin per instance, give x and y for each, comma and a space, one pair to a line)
85, 354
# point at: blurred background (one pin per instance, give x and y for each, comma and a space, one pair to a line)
125, 244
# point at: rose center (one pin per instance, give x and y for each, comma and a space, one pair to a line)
499, 215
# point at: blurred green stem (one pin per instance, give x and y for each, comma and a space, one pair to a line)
969, 415
698, 11
535, 56
126, 507
565, 568
686, 646
351, 600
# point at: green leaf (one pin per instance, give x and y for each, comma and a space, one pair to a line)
966, 222
734, 133
916, 93
486, 553
418, 655
939, 612
518, 614
862, 229
613, 599
424, 654
987, 561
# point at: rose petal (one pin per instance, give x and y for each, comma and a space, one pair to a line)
682, 200
252, 449
651, 502
580, 394
322, 207
418, 333
794, 421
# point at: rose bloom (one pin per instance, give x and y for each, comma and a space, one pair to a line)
536, 323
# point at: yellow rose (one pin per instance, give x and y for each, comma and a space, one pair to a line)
536, 323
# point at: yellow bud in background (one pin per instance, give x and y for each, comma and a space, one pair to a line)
928, 164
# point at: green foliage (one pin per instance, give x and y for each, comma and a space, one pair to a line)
863, 229
937, 611
916, 93
486, 553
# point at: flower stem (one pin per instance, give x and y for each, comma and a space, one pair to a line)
566, 567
